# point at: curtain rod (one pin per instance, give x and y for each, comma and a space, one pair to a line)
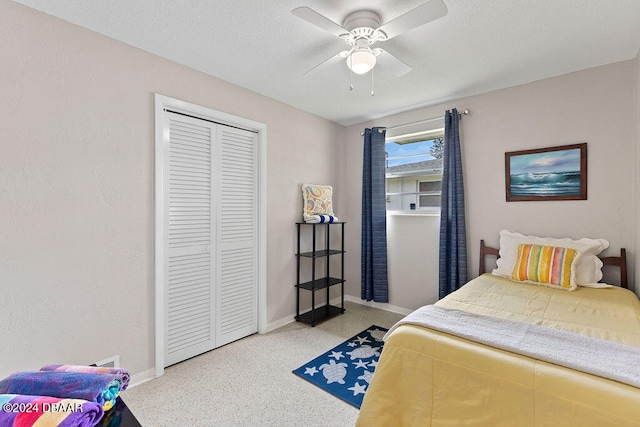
465, 112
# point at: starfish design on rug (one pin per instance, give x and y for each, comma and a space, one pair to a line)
352, 344
310, 371
358, 389
360, 364
336, 355
373, 363
362, 340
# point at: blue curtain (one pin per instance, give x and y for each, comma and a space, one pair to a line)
375, 285
453, 241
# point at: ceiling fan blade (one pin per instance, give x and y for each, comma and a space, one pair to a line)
318, 20
334, 59
428, 12
392, 64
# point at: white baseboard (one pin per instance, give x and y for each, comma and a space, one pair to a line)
142, 377
280, 323
373, 304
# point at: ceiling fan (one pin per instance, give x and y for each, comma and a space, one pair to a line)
362, 29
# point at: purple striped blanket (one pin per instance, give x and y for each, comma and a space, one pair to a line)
22, 411
124, 374
100, 388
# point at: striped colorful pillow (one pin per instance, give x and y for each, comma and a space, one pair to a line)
546, 265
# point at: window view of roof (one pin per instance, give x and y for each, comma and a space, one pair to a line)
413, 158
426, 167
414, 174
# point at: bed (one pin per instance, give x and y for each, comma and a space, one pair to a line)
580, 367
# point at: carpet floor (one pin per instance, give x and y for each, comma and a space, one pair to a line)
249, 382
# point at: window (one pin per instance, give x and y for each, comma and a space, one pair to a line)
414, 171
434, 193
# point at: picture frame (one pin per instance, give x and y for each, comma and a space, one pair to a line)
552, 173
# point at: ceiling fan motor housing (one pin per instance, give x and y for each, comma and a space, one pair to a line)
361, 19
362, 25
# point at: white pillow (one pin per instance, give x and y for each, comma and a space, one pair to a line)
596, 285
588, 269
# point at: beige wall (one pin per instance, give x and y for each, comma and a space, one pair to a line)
412, 257
77, 189
594, 106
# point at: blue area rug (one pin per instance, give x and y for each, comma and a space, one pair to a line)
346, 370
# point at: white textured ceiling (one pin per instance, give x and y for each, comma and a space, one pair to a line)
479, 46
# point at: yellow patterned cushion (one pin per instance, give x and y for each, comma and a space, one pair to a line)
551, 266
317, 200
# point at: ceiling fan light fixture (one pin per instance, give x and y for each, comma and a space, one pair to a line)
361, 61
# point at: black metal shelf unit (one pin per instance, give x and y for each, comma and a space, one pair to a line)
326, 311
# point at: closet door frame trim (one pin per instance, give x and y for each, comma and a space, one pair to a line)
163, 103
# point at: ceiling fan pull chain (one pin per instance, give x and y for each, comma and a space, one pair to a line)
372, 91
350, 75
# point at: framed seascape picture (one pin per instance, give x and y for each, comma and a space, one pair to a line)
553, 173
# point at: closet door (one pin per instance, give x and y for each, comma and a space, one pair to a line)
211, 234
237, 255
189, 257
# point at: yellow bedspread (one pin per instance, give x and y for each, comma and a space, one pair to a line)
426, 377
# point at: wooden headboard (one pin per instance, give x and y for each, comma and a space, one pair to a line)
617, 261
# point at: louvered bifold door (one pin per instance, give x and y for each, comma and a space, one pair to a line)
237, 220
189, 237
